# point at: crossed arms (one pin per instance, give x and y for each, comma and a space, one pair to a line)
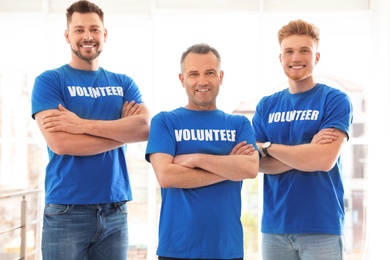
66, 133
198, 170
319, 155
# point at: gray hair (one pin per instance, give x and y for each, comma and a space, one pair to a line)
200, 48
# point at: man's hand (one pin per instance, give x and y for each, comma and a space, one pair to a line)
325, 136
130, 109
243, 148
62, 120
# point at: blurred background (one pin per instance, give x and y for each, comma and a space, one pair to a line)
145, 41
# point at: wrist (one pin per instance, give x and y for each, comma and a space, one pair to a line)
260, 154
265, 147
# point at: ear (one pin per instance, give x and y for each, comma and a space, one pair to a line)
221, 74
181, 78
66, 34
318, 55
105, 34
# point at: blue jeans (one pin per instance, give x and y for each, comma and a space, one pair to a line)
80, 232
302, 246
172, 258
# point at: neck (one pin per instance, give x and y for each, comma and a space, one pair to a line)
296, 87
201, 108
81, 64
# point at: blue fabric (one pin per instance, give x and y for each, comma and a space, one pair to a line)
79, 232
100, 94
299, 202
202, 222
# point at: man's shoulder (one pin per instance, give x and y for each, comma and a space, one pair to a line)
112, 73
53, 74
275, 95
57, 70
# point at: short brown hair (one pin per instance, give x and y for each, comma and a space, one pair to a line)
83, 6
299, 27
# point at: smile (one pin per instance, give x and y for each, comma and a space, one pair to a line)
297, 67
88, 45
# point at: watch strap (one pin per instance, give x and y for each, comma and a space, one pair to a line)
265, 152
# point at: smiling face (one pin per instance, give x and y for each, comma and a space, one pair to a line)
201, 77
298, 57
86, 36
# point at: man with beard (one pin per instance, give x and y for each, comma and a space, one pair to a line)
87, 115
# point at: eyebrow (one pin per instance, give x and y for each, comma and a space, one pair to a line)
92, 26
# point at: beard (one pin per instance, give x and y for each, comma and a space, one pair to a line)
88, 57
298, 76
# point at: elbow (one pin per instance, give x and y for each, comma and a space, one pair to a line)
58, 149
145, 128
64, 147
254, 169
253, 173
324, 165
163, 181
56, 146
61, 146
143, 132
245, 175
329, 163
164, 184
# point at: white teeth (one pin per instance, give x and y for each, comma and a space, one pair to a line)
203, 90
296, 67
87, 46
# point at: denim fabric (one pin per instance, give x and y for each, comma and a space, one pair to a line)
80, 232
171, 258
303, 247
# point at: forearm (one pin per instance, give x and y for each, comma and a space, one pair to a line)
319, 155
133, 126
124, 130
270, 165
176, 176
306, 157
80, 145
231, 167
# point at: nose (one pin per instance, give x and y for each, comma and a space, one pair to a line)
87, 36
296, 56
202, 80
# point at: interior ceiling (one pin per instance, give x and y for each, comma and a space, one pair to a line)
147, 6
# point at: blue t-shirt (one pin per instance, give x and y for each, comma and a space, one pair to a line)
97, 95
202, 222
301, 202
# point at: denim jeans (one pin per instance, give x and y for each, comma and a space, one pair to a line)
171, 258
302, 247
80, 232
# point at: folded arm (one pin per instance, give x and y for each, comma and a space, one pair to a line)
190, 171
230, 167
319, 155
66, 133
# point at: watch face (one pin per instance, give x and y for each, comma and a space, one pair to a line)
266, 145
